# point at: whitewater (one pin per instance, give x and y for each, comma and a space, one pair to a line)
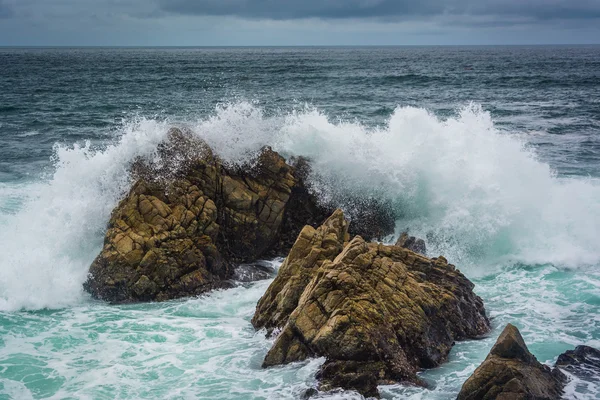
478, 194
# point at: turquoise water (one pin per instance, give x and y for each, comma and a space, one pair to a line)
206, 347
490, 154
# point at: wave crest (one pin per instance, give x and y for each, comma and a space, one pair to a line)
476, 194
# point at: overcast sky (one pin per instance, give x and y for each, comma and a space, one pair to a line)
297, 22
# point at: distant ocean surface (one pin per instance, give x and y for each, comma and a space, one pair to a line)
492, 154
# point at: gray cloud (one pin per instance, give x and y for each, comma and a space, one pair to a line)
385, 9
297, 22
6, 10
297, 9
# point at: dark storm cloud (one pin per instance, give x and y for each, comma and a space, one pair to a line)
296, 9
385, 9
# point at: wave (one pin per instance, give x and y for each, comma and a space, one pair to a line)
476, 194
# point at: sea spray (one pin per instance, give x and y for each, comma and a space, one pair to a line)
476, 194
47, 246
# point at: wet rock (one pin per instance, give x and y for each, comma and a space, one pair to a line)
190, 217
309, 393
312, 248
254, 272
187, 220
510, 371
412, 243
583, 362
377, 313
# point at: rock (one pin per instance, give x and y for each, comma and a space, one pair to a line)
302, 209
312, 248
510, 371
187, 219
412, 243
377, 313
308, 393
370, 218
190, 217
583, 362
254, 272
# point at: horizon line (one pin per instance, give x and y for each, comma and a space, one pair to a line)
297, 45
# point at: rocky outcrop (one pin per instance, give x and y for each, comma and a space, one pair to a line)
510, 371
312, 248
583, 362
377, 313
188, 218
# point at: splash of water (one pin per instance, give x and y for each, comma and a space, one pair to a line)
478, 195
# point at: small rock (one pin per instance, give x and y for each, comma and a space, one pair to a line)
254, 272
412, 243
309, 393
583, 362
510, 371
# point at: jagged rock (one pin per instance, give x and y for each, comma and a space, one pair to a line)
190, 217
312, 248
510, 371
302, 209
377, 313
412, 243
187, 219
583, 362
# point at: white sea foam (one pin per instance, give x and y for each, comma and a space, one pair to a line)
47, 246
478, 196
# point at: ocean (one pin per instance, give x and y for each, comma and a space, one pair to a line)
491, 154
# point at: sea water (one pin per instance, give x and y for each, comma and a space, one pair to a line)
491, 154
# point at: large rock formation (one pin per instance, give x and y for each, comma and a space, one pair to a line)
190, 217
377, 313
187, 218
510, 371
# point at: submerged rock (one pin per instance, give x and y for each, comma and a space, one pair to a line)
583, 362
377, 313
510, 371
190, 217
258, 271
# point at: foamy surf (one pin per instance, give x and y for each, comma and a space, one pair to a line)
476, 194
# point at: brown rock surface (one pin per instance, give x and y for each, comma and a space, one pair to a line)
187, 218
511, 372
377, 313
312, 248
